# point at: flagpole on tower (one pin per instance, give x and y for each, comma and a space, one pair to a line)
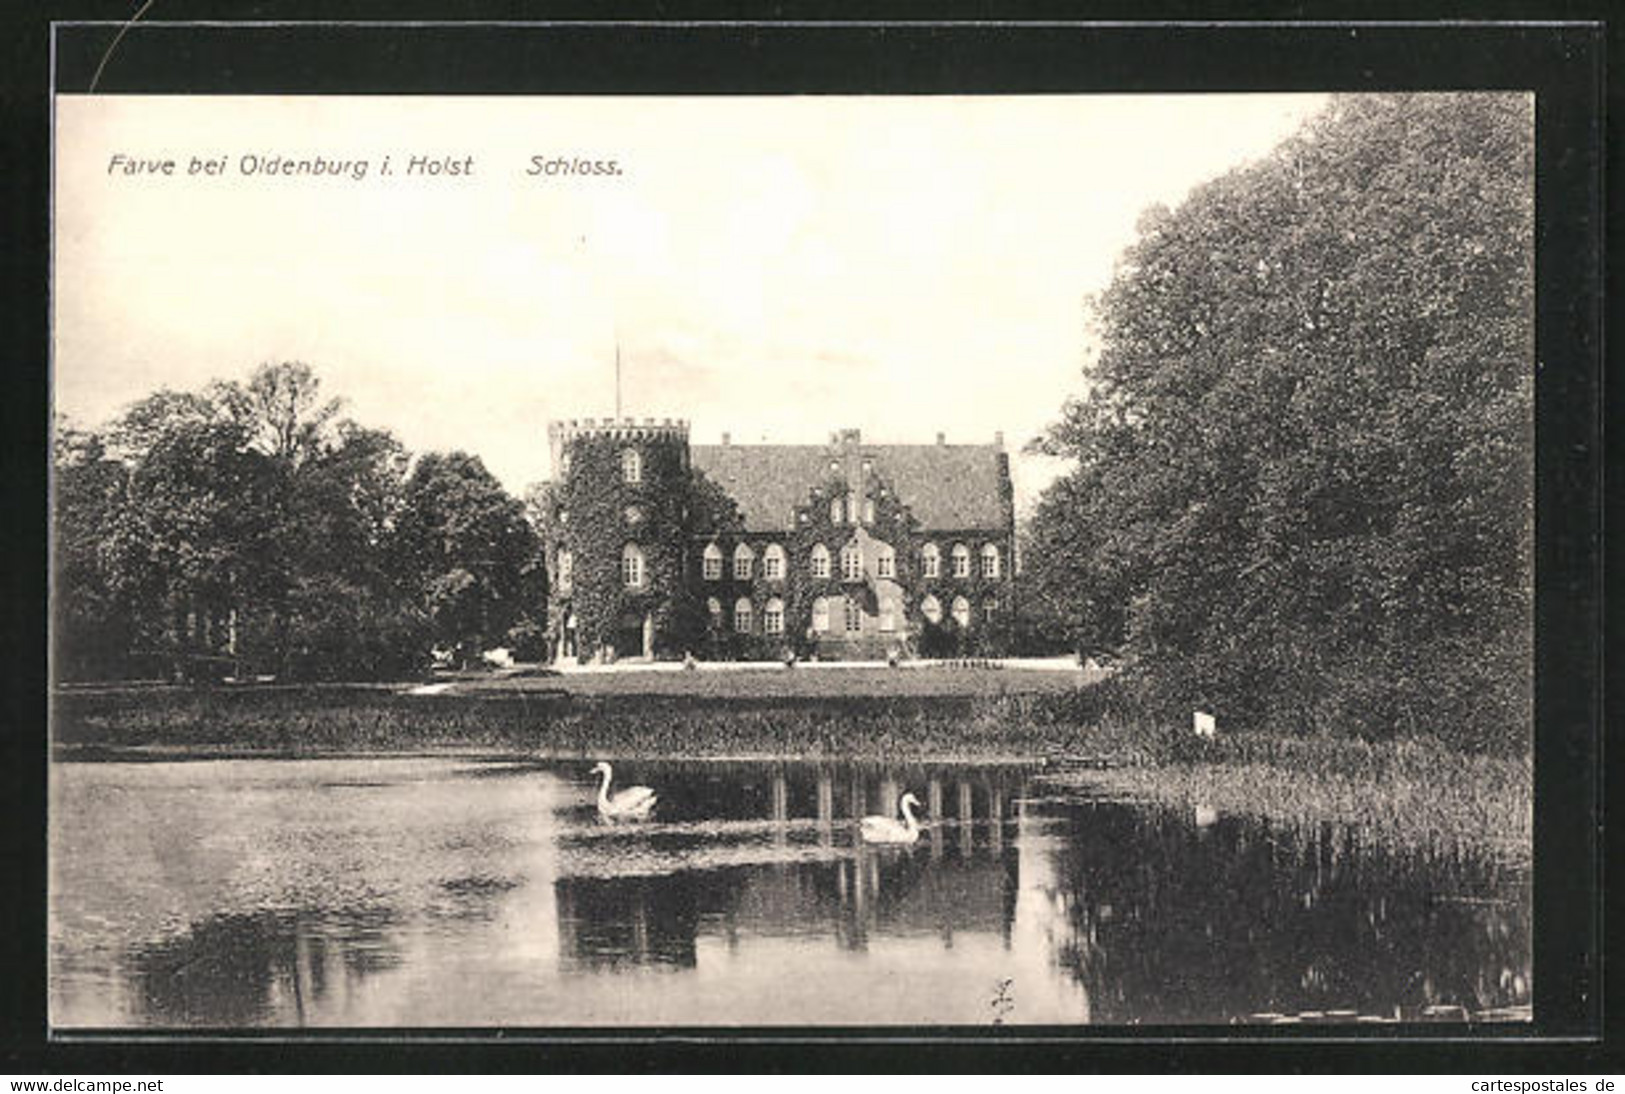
617, 375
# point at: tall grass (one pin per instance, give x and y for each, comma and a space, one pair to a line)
1402, 790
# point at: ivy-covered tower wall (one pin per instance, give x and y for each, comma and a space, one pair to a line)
614, 528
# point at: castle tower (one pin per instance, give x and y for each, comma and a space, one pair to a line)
614, 536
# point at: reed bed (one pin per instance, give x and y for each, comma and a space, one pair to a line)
1401, 790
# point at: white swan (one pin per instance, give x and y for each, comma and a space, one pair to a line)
888, 830
633, 803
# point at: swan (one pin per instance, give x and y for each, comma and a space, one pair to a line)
889, 830
635, 802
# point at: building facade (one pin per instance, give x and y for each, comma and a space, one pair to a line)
661, 548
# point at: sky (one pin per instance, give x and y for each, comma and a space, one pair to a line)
772, 267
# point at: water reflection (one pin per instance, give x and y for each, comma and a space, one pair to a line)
418, 892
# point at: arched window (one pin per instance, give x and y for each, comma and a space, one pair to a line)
773, 617
930, 561
868, 510
566, 570
631, 466
851, 563
990, 560
773, 562
962, 613
990, 609
632, 566
885, 562
713, 608
961, 560
742, 615
713, 562
931, 608
743, 557
835, 510
821, 616
852, 508
854, 615
820, 560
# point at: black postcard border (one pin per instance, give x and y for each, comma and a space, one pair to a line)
265, 49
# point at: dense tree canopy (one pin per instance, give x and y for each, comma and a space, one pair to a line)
249, 528
1303, 491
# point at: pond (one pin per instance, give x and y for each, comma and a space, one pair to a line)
412, 892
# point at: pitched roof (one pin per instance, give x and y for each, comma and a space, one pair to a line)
949, 487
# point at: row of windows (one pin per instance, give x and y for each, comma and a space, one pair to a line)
773, 562
850, 611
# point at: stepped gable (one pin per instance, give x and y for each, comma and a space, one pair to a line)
949, 487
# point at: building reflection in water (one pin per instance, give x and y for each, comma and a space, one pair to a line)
501, 900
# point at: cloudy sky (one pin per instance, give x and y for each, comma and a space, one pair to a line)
776, 268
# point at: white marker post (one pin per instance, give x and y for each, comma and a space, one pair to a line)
1204, 724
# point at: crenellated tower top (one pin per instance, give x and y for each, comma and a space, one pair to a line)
561, 433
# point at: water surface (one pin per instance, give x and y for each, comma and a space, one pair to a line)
438, 892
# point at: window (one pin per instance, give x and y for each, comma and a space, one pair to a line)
851, 563
713, 563
886, 563
852, 508
961, 560
990, 610
931, 561
631, 466
742, 615
854, 615
632, 566
564, 516
990, 560
566, 570
931, 609
835, 510
888, 616
868, 510
773, 563
820, 560
962, 612
743, 557
773, 617
633, 515
821, 616
713, 607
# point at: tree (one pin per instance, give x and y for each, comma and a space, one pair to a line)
469, 552
1303, 484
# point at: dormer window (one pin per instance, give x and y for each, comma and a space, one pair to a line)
631, 466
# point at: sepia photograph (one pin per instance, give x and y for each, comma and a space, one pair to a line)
869, 561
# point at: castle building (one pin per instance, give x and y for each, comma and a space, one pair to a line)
661, 548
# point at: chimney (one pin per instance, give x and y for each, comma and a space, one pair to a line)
942, 438
727, 439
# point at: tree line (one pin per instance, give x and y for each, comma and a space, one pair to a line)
250, 528
1301, 492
